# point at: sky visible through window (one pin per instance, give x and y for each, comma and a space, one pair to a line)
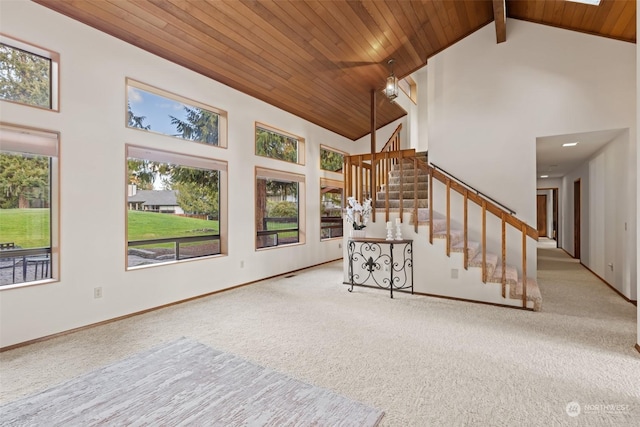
156, 110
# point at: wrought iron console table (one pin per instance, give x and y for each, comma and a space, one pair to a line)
379, 267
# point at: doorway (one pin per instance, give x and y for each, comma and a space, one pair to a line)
542, 215
576, 218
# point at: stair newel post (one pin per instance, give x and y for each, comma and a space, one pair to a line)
504, 255
346, 173
386, 187
401, 193
359, 179
415, 194
448, 236
524, 266
484, 241
466, 240
430, 204
373, 150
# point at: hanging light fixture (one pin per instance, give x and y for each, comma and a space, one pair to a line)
391, 89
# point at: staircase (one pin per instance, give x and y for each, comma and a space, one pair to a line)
404, 191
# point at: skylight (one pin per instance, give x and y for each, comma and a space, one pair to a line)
570, 144
590, 2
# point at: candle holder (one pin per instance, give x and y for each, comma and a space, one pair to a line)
389, 231
398, 232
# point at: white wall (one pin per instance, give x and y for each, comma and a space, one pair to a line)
608, 220
93, 137
637, 93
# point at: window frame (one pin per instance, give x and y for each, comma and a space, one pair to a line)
41, 142
187, 160
328, 182
222, 114
54, 78
412, 94
335, 150
301, 150
276, 174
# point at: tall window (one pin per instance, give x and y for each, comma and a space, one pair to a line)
155, 110
410, 88
331, 160
280, 145
174, 205
330, 208
28, 205
28, 74
279, 208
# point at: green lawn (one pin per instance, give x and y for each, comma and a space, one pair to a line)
151, 225
29, 228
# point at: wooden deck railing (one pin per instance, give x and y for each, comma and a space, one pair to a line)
359, 176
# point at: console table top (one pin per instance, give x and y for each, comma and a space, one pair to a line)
377, 240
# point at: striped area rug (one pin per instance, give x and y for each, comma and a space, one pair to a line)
186, 383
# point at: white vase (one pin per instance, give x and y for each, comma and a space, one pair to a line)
358, 234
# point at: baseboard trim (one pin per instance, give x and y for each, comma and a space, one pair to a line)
494, 304
634, 302
160, 307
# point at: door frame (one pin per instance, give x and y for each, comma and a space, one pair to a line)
577, 217
556, 212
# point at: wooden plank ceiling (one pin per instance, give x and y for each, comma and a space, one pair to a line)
318, 59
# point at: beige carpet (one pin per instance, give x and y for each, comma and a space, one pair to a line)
424, 361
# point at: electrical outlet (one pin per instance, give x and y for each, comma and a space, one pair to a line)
97, 292
385, 268
339, 245
242, 264
454, 273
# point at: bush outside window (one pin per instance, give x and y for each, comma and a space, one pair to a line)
331, 160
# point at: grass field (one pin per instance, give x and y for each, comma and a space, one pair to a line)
29, 228
150, 225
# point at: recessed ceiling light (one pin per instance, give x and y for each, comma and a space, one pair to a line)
590, 2
544, 176
570, 144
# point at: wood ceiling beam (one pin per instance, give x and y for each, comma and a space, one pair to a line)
500, 17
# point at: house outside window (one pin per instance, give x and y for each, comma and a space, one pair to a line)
28, 206
28, 74
175, 207
280, 208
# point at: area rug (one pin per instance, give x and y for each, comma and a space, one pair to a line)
185, 382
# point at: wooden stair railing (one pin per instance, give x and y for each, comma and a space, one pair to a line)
358, 183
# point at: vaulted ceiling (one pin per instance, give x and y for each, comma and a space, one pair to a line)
321, 60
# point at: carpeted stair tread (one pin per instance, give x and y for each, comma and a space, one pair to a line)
511, 275
406, 203
472, 248
491, 261
533, 292
456, 236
